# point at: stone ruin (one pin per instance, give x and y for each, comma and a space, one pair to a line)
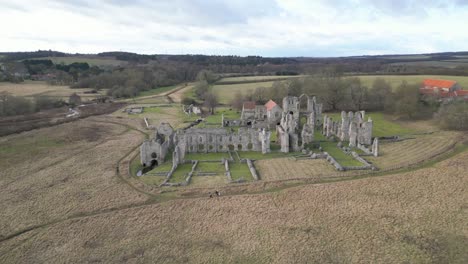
204, 140
154, 151
353, 129
289, 125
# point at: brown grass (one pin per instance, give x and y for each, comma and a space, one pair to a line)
35, 88
57, 172
414, 217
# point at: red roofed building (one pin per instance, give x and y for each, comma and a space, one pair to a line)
273, 111
270, 112
442, 89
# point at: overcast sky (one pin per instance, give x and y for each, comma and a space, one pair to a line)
237, 27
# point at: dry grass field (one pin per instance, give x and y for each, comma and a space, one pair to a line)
226, 92
67, 197
413, 217
396, 80
36, 88
260, 78
57, 172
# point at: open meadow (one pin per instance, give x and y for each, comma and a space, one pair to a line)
40, 88
227, 92
69, 193
418, 216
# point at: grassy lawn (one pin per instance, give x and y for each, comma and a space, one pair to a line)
217, 117
207, 156
382, 124
165, 167
181, 173
339, 155
157, 90
245, 79
240, 171
259, 156
217, 167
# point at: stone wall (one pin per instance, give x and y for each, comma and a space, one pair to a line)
221, 140
351, 128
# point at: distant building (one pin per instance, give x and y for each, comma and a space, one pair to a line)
273, 111
442, 89
248, 110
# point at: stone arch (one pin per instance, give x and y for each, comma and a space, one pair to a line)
239, 147
210, 147
201, 147
154, 155
231, 147
250, 146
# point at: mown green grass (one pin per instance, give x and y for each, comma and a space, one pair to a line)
383, 126
207, 156
181, 173
339, 155
228, 113
255, 155
240, 170
217, 167
165, 167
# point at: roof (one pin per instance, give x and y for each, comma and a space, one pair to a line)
249, 105
439, 83
270, 104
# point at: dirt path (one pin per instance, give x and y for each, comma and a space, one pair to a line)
174, 96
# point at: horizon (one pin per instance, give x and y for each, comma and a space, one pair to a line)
264, 28
251, 55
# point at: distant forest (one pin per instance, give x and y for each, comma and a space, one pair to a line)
140, 72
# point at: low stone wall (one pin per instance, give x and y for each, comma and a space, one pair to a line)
228, 172
333, 162
252, 169
189, 177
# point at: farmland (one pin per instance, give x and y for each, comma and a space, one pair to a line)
38, 88
92, 61
396, 80
70, 193
226, 92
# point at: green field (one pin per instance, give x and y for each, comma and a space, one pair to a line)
92, 61
434, 63
207, 156
383, 126
396, 80
156, 91
181, 173
217, 167
226, 92
240, 171
255, 155
339, 155
260, 78
219, 112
